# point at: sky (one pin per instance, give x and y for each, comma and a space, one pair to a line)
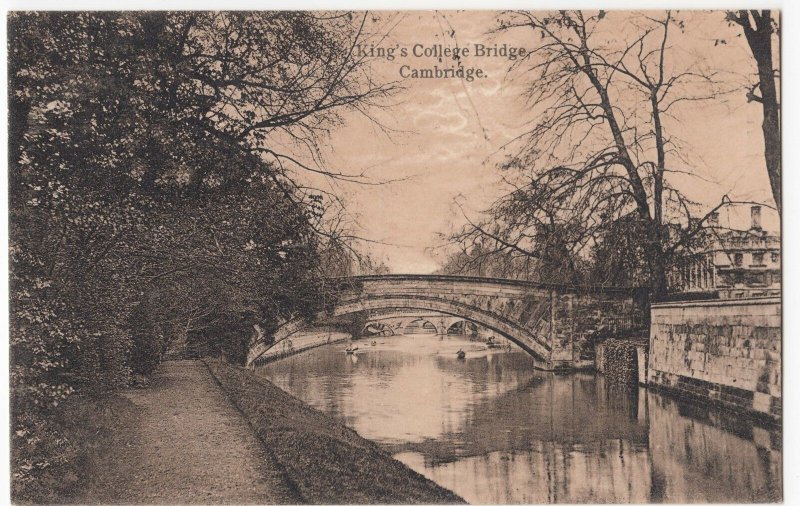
447, 135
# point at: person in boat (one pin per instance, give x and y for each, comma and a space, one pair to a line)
460, 354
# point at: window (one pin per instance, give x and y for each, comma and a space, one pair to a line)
758, 258
775, 257
738, 259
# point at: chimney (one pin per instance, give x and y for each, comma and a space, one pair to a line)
755, 217
713, 219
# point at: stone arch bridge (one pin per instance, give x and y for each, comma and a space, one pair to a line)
397, 320
550, 322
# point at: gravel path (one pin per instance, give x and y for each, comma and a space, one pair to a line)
186, 443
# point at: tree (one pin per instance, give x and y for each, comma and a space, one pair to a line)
145, 173
538, 249
759, 28
619, 254
602, 99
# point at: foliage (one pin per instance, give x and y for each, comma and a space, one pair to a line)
548, 259
621, 364
148, 196
619, 255
44, 460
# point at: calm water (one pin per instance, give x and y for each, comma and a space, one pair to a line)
494, 430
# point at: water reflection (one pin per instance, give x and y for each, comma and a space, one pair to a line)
494, 430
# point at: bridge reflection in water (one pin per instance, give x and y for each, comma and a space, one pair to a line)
495, 430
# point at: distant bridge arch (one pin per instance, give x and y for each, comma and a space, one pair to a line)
376, 329
420, 326
462, 327
397, 319
544, 320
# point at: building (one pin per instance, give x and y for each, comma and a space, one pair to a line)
732, 264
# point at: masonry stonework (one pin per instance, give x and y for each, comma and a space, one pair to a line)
725, 351
551, 322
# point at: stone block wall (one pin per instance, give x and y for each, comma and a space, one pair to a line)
642, 352
725, 351
575, 318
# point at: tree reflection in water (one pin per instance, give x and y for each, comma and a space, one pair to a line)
495, 430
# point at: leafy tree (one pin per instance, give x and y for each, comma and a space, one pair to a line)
149, 198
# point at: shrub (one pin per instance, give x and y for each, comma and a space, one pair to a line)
621, 362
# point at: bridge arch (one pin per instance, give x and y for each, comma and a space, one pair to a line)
520, 336
550, 322
419, 326
376, 329
458, 328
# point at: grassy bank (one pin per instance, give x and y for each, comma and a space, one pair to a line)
326, 461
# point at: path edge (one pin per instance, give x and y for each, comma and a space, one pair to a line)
290, 485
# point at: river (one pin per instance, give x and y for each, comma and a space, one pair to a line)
495, 430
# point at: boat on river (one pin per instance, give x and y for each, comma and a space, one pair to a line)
350, 350
491, 343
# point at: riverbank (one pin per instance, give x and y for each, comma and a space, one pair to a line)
212, 433
324, 461
179, 440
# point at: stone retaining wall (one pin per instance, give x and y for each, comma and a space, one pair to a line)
726, 351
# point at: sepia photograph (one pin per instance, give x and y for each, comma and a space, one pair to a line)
395, 256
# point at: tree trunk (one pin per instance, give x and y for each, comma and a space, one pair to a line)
771, 127
760, 42
657, 262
